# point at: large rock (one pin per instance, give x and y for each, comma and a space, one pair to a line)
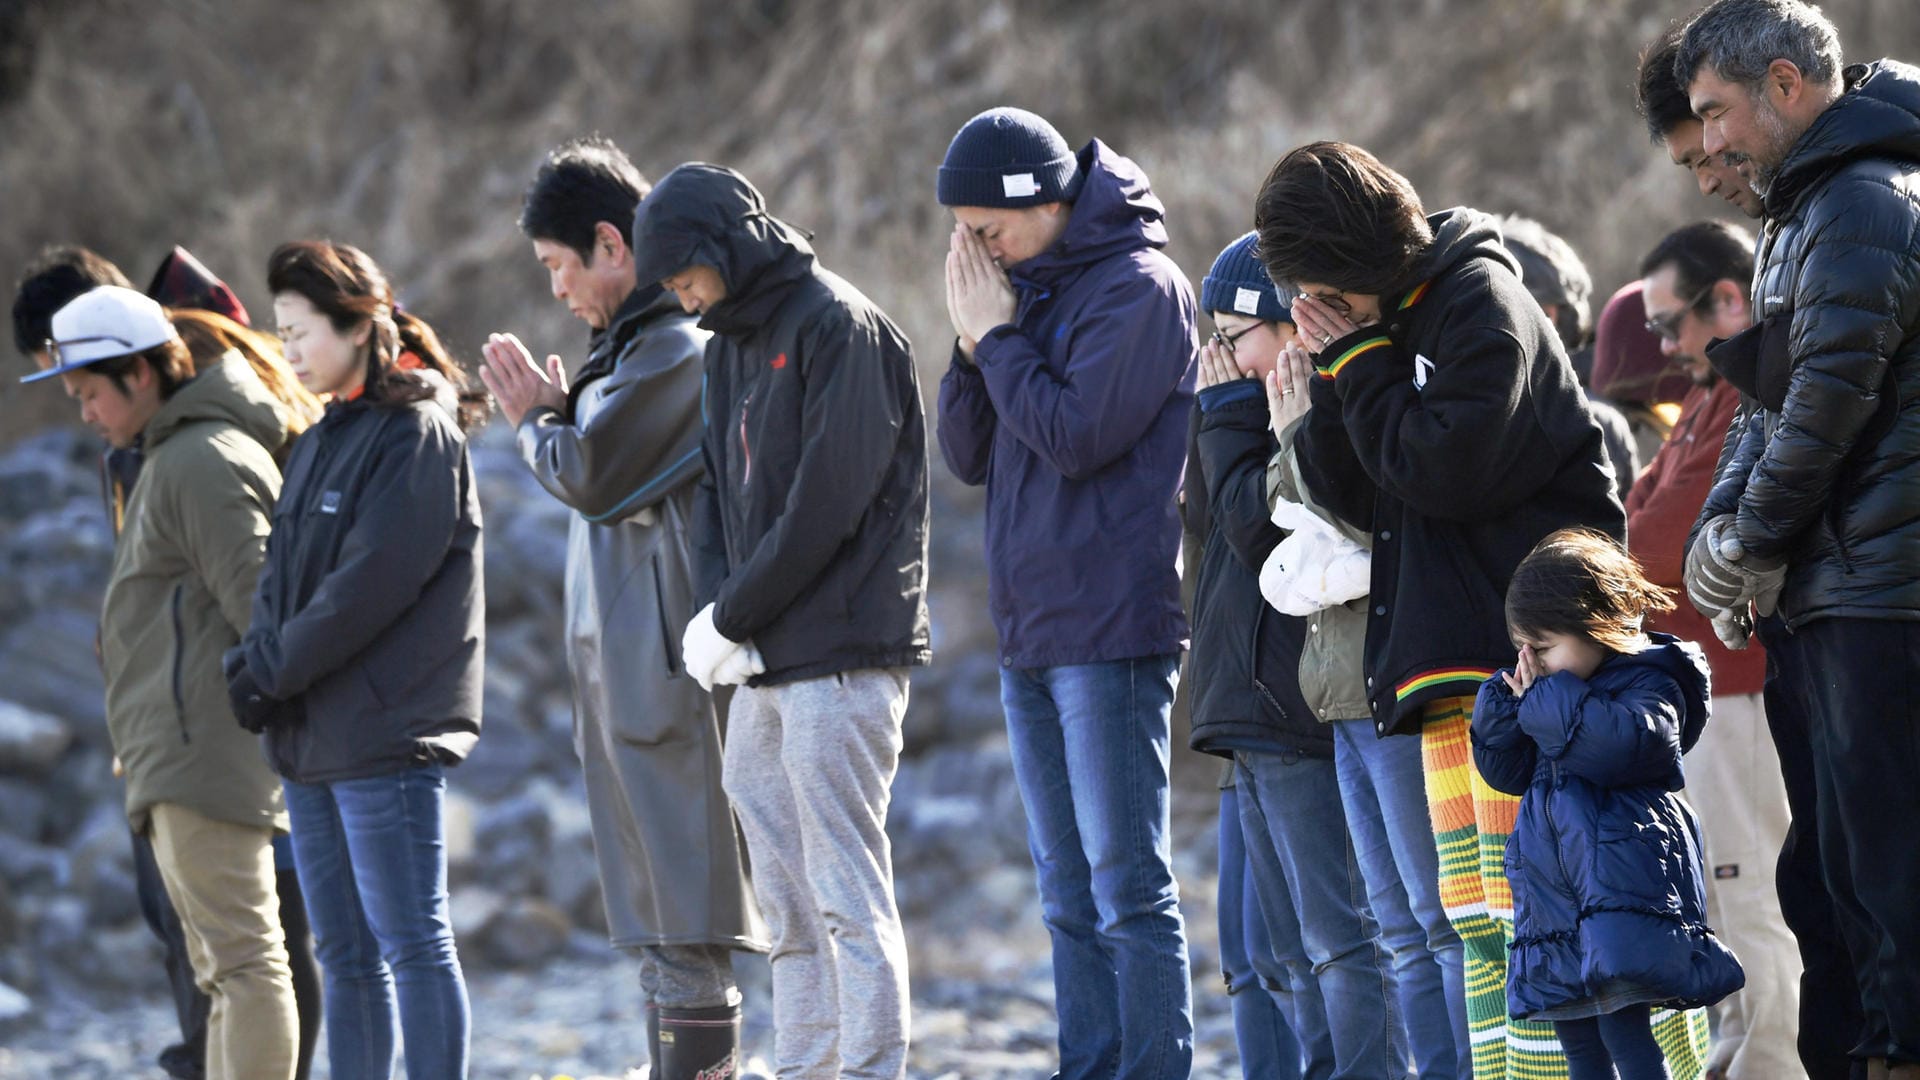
47, 663
23, 807
30, 741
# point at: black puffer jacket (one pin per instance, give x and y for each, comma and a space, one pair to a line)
1456, 432
1245, 669
811, 522
1835, 360
370, 617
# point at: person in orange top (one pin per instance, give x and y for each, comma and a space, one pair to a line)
1695, 291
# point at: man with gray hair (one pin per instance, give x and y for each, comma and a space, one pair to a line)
1820, 525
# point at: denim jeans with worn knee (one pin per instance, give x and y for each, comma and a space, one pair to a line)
372, 855
1297, 845
1383, 787
1090, 753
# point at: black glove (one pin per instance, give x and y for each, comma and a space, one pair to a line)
251, 706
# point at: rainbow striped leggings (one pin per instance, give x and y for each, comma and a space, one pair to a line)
1471, 822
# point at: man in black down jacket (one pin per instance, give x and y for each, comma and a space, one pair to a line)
810, 578
1817, 519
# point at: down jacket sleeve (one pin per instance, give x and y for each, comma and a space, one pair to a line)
1128, 352
1856, 293
1467, 446
1616, 738
1746, 438
410, 510
853, 413
641, 443
1502, 752
967, 421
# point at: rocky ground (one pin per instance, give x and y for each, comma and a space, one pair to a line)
81, 991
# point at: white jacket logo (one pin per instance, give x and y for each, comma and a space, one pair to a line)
1422, 367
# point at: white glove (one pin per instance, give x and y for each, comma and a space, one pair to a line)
1315, 567
741, 664
703, 648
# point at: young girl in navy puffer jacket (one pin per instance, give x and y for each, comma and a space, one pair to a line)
1605, 860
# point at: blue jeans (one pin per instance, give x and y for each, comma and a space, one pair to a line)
1256, 979
1296, 833
1614, 1045
373, 869
1090, 752
1383, 786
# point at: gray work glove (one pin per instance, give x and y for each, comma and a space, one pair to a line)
1721, 578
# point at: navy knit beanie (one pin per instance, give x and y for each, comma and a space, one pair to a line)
1239, 283
1008, 158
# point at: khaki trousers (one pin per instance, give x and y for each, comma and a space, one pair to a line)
220, 878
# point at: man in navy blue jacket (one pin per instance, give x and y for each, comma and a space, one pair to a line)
1067, 397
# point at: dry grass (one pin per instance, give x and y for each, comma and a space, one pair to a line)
410, 126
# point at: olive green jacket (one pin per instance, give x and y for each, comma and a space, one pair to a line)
1332, 679
184, 570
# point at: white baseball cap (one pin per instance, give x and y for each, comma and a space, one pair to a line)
103, 323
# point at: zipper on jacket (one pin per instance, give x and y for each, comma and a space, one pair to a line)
179, 651
746, 451
660, 609
1559, 856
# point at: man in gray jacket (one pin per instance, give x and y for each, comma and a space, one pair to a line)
621, 446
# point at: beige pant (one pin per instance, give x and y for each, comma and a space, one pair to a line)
1734, 785
220, 878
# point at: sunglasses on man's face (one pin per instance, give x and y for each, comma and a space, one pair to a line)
1667, 327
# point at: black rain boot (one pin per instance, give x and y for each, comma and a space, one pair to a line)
653, 1042
699, 1044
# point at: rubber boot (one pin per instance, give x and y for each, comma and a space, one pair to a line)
653, 1042
699, 1044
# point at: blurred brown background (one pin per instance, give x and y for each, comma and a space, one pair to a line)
409, 127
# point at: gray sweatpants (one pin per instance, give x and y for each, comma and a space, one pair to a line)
809, 766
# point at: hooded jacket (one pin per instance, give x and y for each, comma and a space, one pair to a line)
811, 520
625, 455
1455, 432
369, 622
1609, 886
190, 549
1835, 360
1245, 669
1074, 416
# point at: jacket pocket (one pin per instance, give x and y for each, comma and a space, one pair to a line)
666, 627
1636, 862
179, 662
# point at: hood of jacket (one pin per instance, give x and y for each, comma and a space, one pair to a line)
226, 392
1459, 235
1878, 116
1116, 211
708, 215
183, 281
1686, 664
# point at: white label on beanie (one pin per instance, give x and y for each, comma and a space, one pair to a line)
1019, 185
1246, 301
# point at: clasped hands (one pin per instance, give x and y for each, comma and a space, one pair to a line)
713, 659
1722, 579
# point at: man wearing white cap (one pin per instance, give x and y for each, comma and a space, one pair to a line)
180, 594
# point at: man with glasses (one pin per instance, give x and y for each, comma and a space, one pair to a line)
1695, 290
1067, 396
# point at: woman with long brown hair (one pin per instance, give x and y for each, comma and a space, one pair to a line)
363, 661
